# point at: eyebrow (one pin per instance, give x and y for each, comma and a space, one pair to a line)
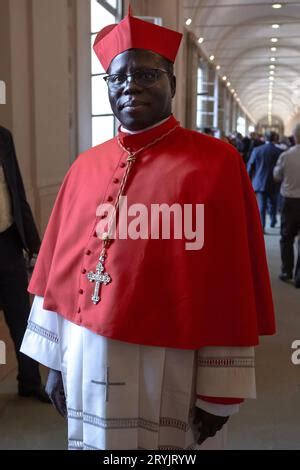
140, 68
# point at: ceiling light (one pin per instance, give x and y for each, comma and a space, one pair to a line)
224, 78
275, 26
200, 40
274, 39
271, 72
271, 78
276, 6
273, 49
272, 66
218, 67
272, 59
188, 21
228, 83
232, 90
212, 57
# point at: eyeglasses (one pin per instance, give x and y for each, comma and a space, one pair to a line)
145, 78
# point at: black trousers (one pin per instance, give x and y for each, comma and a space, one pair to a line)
14, 300
290, 228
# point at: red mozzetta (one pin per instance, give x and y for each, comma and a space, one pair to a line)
160, 293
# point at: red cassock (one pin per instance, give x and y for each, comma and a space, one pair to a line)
161, 294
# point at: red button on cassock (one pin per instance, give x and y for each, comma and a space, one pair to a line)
80, 291
88, 252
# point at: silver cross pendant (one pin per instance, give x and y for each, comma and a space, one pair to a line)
99, 277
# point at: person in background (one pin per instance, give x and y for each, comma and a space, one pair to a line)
17, 233
209, 131
260, 168
287, 171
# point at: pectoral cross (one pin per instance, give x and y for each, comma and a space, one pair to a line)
99, 277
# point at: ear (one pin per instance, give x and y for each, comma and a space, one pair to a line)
173, 85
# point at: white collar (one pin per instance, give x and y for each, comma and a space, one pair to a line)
145, 129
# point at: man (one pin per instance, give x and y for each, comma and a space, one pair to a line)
287, 171
209, 131
163, 354
260, 166
17, 233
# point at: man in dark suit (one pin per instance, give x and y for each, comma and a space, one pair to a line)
260, 168
17, 233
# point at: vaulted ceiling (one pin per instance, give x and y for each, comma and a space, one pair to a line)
240, 35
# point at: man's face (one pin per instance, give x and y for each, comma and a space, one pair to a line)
135, 106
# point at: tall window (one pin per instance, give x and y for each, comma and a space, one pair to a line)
200, 91
205, 96
103, 13
241, 125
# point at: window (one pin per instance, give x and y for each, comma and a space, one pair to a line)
200, 81
205, 97
103, 13
241, 125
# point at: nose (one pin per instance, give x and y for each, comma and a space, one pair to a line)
131, 85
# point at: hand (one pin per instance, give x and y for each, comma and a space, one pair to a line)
32, 256
206, 424
55, 390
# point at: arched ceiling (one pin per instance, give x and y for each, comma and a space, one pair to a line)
238, 34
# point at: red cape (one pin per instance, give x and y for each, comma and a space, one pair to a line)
161, 294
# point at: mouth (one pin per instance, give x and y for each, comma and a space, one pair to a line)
133, 105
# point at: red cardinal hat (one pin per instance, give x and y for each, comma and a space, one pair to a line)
132, 33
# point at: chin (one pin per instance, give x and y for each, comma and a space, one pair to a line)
133, 124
